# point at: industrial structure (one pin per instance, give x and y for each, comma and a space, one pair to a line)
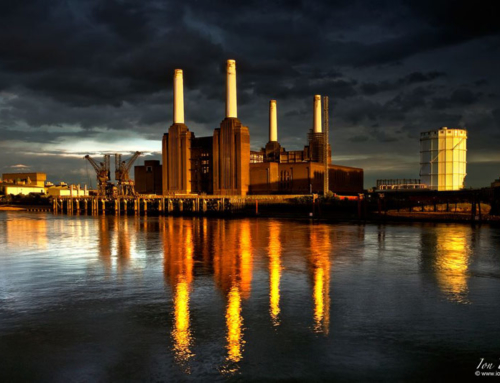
443, 159
274, 170
103, 173
231, 146
36, 183
176, 146
124, 185
23, 183
148, 178
224, 165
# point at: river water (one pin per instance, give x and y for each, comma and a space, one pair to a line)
178, 299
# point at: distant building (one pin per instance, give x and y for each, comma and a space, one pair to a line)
23, 183
400, 184
303, 178
28, 179
64, 190
148, 178
443, 159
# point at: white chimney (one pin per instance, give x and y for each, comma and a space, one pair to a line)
231, 107
317, 114
178, 97
273, 121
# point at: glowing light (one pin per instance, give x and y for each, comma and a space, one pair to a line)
16, 230
123, 242
178, 270
274, 271
232, 261
181, 332
319, 299
104, 244
234, 321
320, 253
452, 262
245, 259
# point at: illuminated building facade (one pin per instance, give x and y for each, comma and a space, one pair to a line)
224, 165
443, 158
23, 183
231, 146
274, 170
176, 146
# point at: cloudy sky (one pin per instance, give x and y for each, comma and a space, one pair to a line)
80, 77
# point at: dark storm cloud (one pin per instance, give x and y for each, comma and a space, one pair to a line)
371, 88
459, 97
92, 69
496, 116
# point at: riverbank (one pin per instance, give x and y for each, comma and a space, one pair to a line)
339, 211
11, 208
39, 208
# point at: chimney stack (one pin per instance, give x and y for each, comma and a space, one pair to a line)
273, 121
178, 97
317, 114
231, 107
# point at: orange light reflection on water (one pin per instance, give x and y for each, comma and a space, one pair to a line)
274, 251
320, 260
452, 263
178, 271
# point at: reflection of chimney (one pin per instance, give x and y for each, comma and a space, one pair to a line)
231, 108
178, 97
317, 114
273, 121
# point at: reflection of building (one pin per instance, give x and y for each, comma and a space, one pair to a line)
452, 262
274, 250
17, 230
233, 274
104, 243
443, 158
148, 178
445, 256
320, 264
178, 271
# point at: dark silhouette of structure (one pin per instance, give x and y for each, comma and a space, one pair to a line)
148, 178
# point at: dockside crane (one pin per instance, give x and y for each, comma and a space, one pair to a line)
103, 172
124, 183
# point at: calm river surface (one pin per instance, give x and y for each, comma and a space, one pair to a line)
175, 299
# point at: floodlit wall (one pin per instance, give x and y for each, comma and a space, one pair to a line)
31, 179
56, 191
25, 190
443, 159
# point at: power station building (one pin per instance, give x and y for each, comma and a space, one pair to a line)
443, 159
224, 165
274, 170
